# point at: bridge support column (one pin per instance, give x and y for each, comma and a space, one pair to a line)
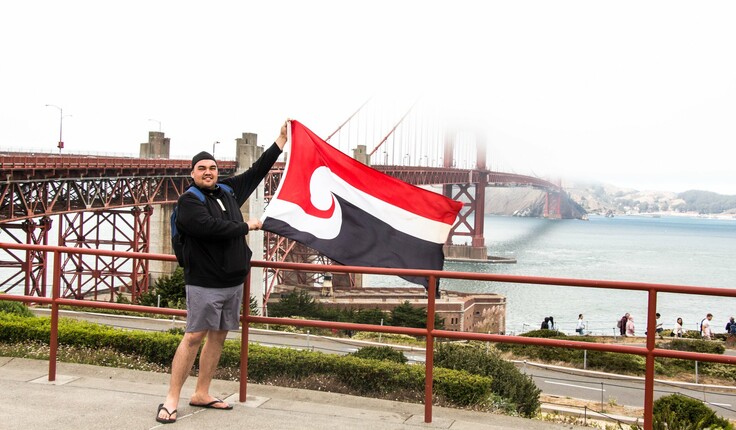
161, 230
553, 205
246, 153
159, 146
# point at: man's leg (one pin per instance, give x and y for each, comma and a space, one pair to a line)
207, 365
182, 364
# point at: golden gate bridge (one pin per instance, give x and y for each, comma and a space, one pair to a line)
123, 203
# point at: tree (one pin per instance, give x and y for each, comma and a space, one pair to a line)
406, 315
296, 303
170, 289
370, 316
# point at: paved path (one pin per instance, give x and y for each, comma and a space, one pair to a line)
93, 397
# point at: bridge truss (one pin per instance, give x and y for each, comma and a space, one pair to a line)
108, 202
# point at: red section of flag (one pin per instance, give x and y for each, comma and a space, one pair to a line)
308, 152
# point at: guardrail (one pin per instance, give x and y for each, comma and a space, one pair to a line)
429, 333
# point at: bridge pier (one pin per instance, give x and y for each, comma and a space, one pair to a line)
471, 219
247, 152
159, 146
466, 252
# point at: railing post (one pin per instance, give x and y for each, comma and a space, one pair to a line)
54, 333
429, 350
244, 323
649, 376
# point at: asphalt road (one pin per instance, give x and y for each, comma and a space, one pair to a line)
552, 380
623, 390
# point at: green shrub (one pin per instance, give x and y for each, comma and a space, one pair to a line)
13, 307
606, 361
677, 412
544, 333
363, 376
508, 381
695, 345
618, 363
384, 353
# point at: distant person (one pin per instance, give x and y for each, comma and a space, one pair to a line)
705, 330
581, 325
678, 331
731, 326
630, 329
622, 324
551, 323
545, 323
659, 329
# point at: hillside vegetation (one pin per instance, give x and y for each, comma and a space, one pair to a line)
607, 199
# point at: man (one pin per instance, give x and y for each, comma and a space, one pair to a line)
216, 262
705, 327
731, 326
659, 328
622, 324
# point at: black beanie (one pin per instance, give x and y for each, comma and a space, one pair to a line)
204, 155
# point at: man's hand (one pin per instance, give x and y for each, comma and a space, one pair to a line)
281, 140
254, 224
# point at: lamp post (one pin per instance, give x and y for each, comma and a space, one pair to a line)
60, 145
213, 147
159, 123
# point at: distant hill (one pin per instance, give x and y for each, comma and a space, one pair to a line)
527, 202
707, 202
603, 198
597, 198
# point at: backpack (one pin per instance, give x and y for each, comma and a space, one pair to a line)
619, 324
177, 238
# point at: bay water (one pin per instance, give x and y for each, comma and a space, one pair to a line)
668, 249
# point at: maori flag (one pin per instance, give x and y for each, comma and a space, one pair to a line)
354, 214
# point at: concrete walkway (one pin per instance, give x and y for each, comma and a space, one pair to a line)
93, 397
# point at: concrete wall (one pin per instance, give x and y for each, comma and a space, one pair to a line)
159, 146
247, 152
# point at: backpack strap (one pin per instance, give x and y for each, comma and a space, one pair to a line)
194, 190
227, 188
197, 192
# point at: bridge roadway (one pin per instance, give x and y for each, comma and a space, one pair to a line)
44, 185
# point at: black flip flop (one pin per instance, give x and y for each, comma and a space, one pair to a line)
211, 405
168, 420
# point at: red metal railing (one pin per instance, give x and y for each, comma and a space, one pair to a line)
430, 333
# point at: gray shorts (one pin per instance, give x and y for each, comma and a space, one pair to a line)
213, 308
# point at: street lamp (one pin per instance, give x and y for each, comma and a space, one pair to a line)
60, 145
213, 147
159, 123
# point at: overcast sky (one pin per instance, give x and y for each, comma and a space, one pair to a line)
638, 94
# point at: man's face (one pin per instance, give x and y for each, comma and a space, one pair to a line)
205, 174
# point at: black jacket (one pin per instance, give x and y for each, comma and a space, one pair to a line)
215, 252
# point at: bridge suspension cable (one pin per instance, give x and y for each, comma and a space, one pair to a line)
393, 129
